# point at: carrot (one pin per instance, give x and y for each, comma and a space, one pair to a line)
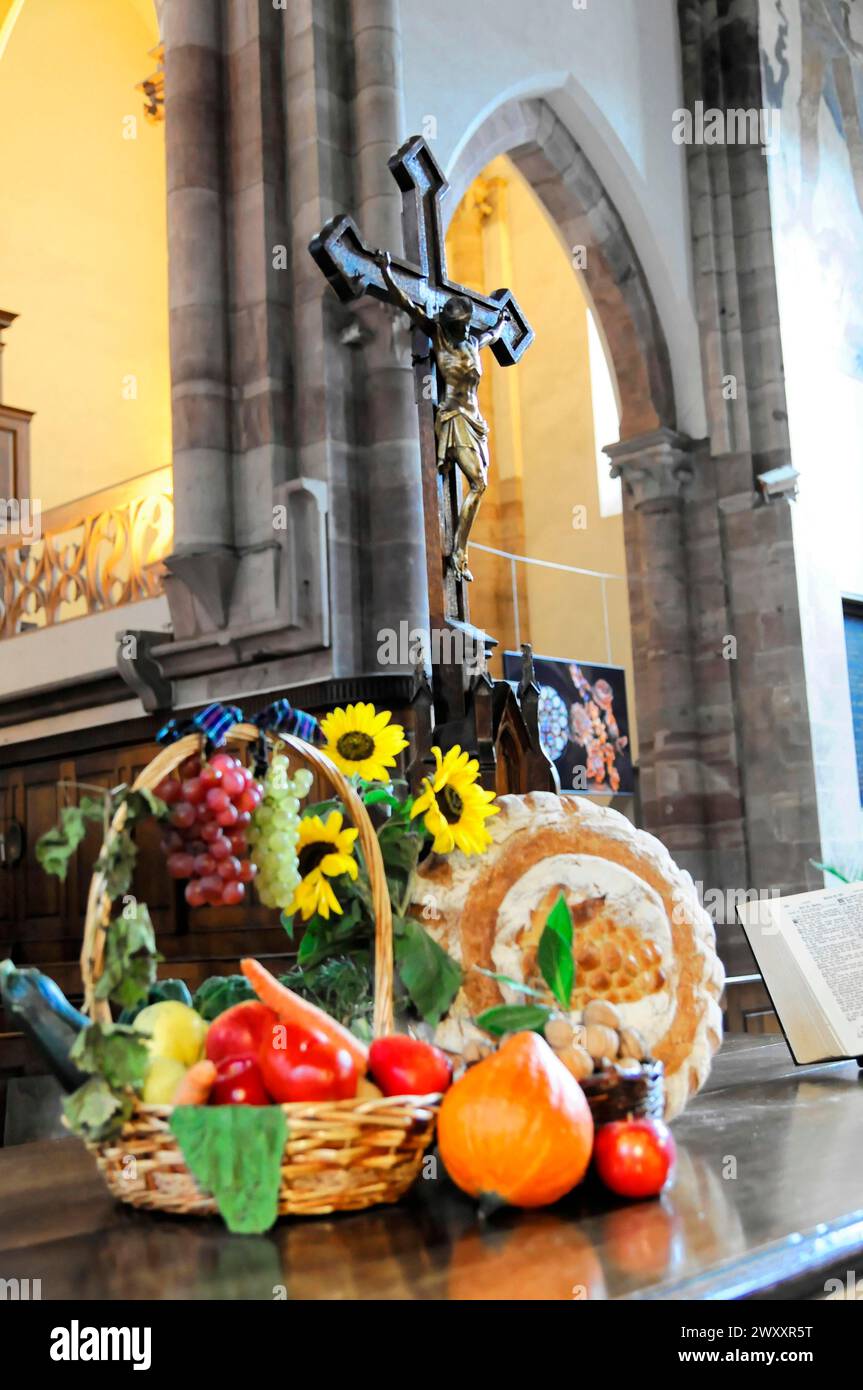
292, 1009
195, 1087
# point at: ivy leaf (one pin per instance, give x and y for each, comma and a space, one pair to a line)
131, 957
514, 1018
555, 953
117, 1054
378, 795
430, 976
144, 803
94, 1112
55, 848
117, 863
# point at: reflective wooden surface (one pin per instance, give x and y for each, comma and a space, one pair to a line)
769, 1196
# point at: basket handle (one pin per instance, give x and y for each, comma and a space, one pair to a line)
98, 913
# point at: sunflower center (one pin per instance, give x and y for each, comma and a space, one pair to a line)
451, 804
355, 746
310, 856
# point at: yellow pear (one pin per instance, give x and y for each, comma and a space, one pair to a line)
162, 1080
173, 1030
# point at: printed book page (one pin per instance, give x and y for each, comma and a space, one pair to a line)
809, 948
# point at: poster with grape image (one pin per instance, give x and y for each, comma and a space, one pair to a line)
583, 723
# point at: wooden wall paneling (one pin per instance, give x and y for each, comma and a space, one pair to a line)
9, 878
41, 900
151, 883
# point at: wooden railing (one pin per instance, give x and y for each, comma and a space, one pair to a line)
98, 553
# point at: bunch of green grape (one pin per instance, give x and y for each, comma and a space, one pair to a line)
274, 832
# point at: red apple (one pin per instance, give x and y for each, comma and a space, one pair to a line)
635, 1158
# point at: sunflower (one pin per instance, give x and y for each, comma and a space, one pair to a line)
455, 808
324, 852
361, 741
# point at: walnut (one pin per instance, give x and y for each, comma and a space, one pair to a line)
600, 1011
558, 1033
578, 1061
602, 1041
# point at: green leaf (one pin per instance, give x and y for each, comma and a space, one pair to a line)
513, 984
235, 1153
825, 868
219, 993
288, 924
379, 795
144, 803
116, 1053
514, 1018
94, 1112
117, 863
129, 969
430, 976
321, 808
555, 953
55, 848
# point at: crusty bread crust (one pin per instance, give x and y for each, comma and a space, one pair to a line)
460, 901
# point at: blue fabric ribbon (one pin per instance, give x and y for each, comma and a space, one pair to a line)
281, 718
215, 721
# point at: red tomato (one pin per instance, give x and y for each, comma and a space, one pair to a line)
239, 1082
298, 1064
239, 1031
408, 1066
635, 1158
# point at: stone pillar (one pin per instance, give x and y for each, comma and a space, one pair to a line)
200, 358
760, 694
259, 296
389, 442
655, 469
317, 55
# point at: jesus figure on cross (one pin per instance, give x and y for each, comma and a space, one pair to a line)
460, 429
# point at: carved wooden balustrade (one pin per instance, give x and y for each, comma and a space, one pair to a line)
100, 552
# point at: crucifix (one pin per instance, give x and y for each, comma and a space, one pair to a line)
451, 326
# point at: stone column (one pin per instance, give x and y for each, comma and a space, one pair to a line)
764, 708
655, 469
317, 52
389, 444
259, 296
200, 366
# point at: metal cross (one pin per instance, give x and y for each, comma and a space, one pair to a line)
350, 267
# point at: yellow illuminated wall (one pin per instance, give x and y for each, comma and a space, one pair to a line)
83, 253
543, 500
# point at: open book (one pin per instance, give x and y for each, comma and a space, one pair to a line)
809, 949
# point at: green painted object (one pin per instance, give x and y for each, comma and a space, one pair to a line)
235, 1153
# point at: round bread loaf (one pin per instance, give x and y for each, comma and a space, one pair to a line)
641, 939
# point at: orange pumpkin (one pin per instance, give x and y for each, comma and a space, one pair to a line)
516, 1128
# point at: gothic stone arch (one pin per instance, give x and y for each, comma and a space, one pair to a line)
653, 460
559, 172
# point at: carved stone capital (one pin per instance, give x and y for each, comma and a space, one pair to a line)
654, 467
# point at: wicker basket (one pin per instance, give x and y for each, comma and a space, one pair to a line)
615, 1097
339, 1155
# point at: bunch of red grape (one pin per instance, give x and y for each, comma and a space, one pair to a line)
210, 805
